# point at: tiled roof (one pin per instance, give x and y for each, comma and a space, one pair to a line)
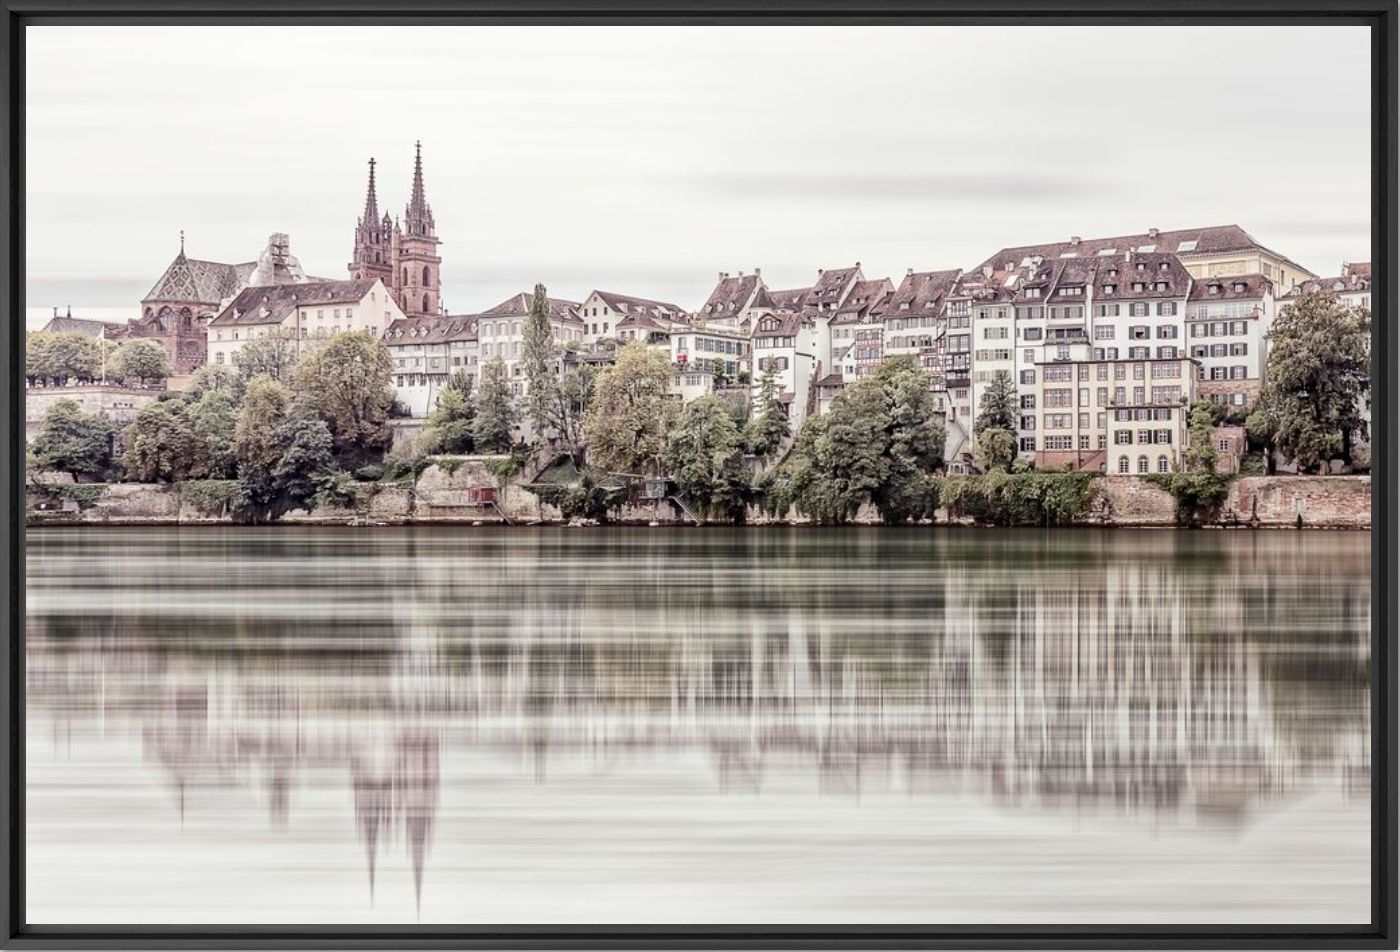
431, 330
1216, 239
788, 325
789, 300
865, 300
1235, 287
830, 283
78, 325
1342, 284
518, 305
731, 294
273, 304
202, 282
1140, 275
921, 291
626, 304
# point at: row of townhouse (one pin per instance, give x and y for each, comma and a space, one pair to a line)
1101, 337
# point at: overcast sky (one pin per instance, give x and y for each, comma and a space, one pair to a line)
646, 159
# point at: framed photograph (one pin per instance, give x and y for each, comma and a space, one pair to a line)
720, 475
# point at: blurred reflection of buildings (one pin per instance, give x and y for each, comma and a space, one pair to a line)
1086, 684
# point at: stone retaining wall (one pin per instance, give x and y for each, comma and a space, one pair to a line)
441, 493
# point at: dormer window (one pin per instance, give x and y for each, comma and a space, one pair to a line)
1139, 286
1160, 286
1215, 289
1141, 265
1240, 287
1164, 265
1109, 288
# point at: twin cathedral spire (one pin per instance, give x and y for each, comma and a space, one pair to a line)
403, 255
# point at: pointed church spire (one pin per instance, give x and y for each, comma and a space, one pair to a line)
371, 199
182, 242
418, 205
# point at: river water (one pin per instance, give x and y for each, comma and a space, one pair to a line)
441, 725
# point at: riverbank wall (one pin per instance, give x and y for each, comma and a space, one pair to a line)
465, 492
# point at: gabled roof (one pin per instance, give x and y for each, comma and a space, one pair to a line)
1234, 287
865, 300
787, 325
1187, 242
831, 282
788, 300
920, 292
1342, 284
78, 325
1140, 275
518, 305
200, 282
626, 304
273, 304
731, 295
431, 330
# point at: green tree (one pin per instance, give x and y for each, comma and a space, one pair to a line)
450, 424
997, 409
214, 377
307, 460
881, 442
575, 395
539, 358
161, 445
704, 456
1318, 378
72, 441
995, 427
1200, 455
347, 381
627, 420
495, 410
274, 355
214, 418
769, 428
140, 360
995, 448
55, 359
255, 442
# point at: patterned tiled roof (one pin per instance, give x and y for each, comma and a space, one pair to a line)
202, 282
731, 294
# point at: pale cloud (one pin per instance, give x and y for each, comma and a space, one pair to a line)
645, 159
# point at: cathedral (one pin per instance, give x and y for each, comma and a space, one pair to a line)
404, 256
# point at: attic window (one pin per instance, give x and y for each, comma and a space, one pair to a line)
1160, 286
1187, 245
1105, 252
1163, 265
1141, 265
1139, 286
1215, 289
1146, 248
1240, 286
1069, 254
1109, 288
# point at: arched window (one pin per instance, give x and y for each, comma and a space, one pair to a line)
163, 319
149, 312
427, 278
1142, 464
1122, 464
425, 302
379, 257
405, 276
186, 319
1162, 466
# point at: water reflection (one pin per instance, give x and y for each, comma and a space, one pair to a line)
1185, 678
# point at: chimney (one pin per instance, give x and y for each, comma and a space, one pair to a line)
1153, 232
909, 272
1074, 241
986, 271
55, 310
758, 272
721, 275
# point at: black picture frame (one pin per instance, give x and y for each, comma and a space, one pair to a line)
1380, 15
